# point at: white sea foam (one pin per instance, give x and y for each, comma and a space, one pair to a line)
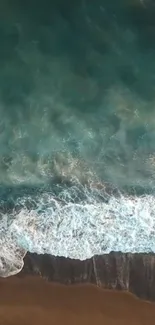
79, 230
11, 254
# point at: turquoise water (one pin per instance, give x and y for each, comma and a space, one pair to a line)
77, 92
77, 117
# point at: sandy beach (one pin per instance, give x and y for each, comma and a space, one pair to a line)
33, 300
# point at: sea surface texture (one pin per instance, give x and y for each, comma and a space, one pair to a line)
77, 128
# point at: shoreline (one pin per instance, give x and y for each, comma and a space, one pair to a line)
134, 273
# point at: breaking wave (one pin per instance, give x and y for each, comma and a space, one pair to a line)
70, 226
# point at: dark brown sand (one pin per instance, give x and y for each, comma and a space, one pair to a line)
34, 301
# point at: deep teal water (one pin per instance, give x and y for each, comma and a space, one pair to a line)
77, 92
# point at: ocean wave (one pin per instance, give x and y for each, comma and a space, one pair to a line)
76, 102
79, 229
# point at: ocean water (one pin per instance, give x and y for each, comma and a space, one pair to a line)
77, 128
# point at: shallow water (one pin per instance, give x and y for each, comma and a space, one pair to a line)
77, 114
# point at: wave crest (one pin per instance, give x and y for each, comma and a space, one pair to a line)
79, 229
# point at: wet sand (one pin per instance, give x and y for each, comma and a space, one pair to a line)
30, 300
